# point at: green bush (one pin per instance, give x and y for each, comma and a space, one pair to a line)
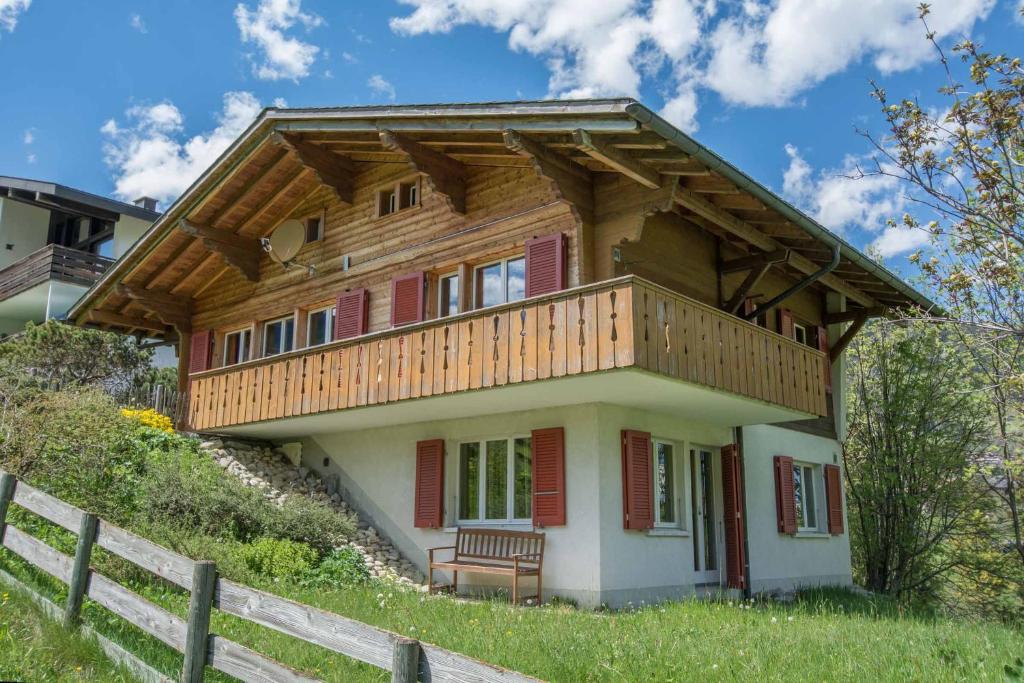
310, 522
279, 559
341, 567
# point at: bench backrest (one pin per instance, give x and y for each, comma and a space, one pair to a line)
497, 545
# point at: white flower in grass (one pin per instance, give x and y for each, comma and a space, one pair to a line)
789, 618
714, 666
774, 620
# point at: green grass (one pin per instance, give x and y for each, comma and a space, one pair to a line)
34, 647
826, 635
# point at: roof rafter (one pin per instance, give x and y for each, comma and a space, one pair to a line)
617, 159
333, 170
446, 176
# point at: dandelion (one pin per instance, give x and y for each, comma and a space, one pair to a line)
382, 604
789, 618
774, 620
714, 666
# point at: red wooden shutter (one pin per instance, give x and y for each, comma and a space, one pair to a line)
786, 322
407, 298
545, 264
548, 476
732, 499
785, 501
834, 497
637, 494
429, 505
351, 314
200, 352
749, 307
823, 347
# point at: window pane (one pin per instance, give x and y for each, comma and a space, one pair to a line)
488, 286
665, 476
246, 344
496, 491
523, 477
105, 248
319, 327
809, 507
798, 494
516, 274
231, 349
708, 506
469, 481
288, 335
271, 339
449, 295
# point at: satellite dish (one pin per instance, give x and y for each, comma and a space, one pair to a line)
287, 239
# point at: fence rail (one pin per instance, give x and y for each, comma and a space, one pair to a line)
377, 647
52, 262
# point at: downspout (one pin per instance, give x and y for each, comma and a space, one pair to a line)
738, 436
799, 286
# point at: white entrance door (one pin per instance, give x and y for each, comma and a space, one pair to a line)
706, 512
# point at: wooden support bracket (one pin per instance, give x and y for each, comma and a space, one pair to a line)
333, 170
446, 176
239, 251
620, 161
758, 265
169, 308
571, 181
836, 350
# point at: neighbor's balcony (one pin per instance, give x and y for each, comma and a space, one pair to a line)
52, 262
595, 329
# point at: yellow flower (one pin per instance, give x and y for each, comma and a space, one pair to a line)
150, 418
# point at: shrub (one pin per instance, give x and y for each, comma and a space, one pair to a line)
311, 522
341, 567
279, 558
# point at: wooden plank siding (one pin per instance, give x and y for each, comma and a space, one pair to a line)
621, 323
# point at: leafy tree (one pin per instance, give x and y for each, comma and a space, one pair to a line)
915, 428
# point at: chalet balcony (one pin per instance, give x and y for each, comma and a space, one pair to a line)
52, 262
649, 346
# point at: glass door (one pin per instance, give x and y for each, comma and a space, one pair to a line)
707, 516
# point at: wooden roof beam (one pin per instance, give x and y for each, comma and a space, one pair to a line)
169, 308
239, 251
126, 321
702, 207
571, 181
615, 158
446, 176
333, 170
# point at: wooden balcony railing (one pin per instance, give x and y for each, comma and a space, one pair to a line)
52, 262
627, 322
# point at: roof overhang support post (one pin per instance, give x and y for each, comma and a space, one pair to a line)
333, 170
758, 265
169, 308
239, 251
446, 176
620, 161
836, 350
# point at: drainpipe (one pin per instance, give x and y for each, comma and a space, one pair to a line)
799, 286
738, 436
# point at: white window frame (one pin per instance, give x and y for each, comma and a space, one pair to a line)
504, 279
510, 501
239, 331
309, 326
440, 294
679, 492
267, 324
796, 336
815, 471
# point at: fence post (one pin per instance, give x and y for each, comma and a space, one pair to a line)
405, 661
80, 570
204, 580
7, 483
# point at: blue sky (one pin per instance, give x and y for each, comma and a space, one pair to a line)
137, 97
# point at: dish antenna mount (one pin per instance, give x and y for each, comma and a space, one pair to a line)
284, 243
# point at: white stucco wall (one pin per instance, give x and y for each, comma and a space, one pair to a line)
126, 232
778, 561
25, 227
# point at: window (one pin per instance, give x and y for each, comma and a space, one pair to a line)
448, 295
667, 477
501, 282
237, 345
496, 480
314, 229
279, 336
402, 195
320, 326
800, 333
804, 492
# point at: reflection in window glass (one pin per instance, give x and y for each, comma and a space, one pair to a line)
489, 288
516, 279
320, 327
236, 346
469, 481
448, 294
496, 485
664, 475
278, 336
523, 478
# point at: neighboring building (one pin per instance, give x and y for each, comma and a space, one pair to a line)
55, 242
557, 315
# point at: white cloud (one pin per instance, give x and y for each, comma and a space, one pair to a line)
30, 136
31, 158
755, 52
137, 23
282, 56
379, 86
349, 57
845, 200
9, 11
150, 155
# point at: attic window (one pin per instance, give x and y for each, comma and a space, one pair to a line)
314, 229
398, 197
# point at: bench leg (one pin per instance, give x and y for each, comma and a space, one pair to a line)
540, 599
455, 582
430, 579
515, 589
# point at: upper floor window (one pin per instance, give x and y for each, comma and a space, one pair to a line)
800, 333
314, 229
496, 480
402, 195
448, 295
279, 336
320, 326
237, 346
500, 282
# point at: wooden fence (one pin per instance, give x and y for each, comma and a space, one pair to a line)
408, 660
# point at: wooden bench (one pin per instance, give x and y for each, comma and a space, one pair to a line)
491, 551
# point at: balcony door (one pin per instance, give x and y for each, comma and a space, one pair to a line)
706, 512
